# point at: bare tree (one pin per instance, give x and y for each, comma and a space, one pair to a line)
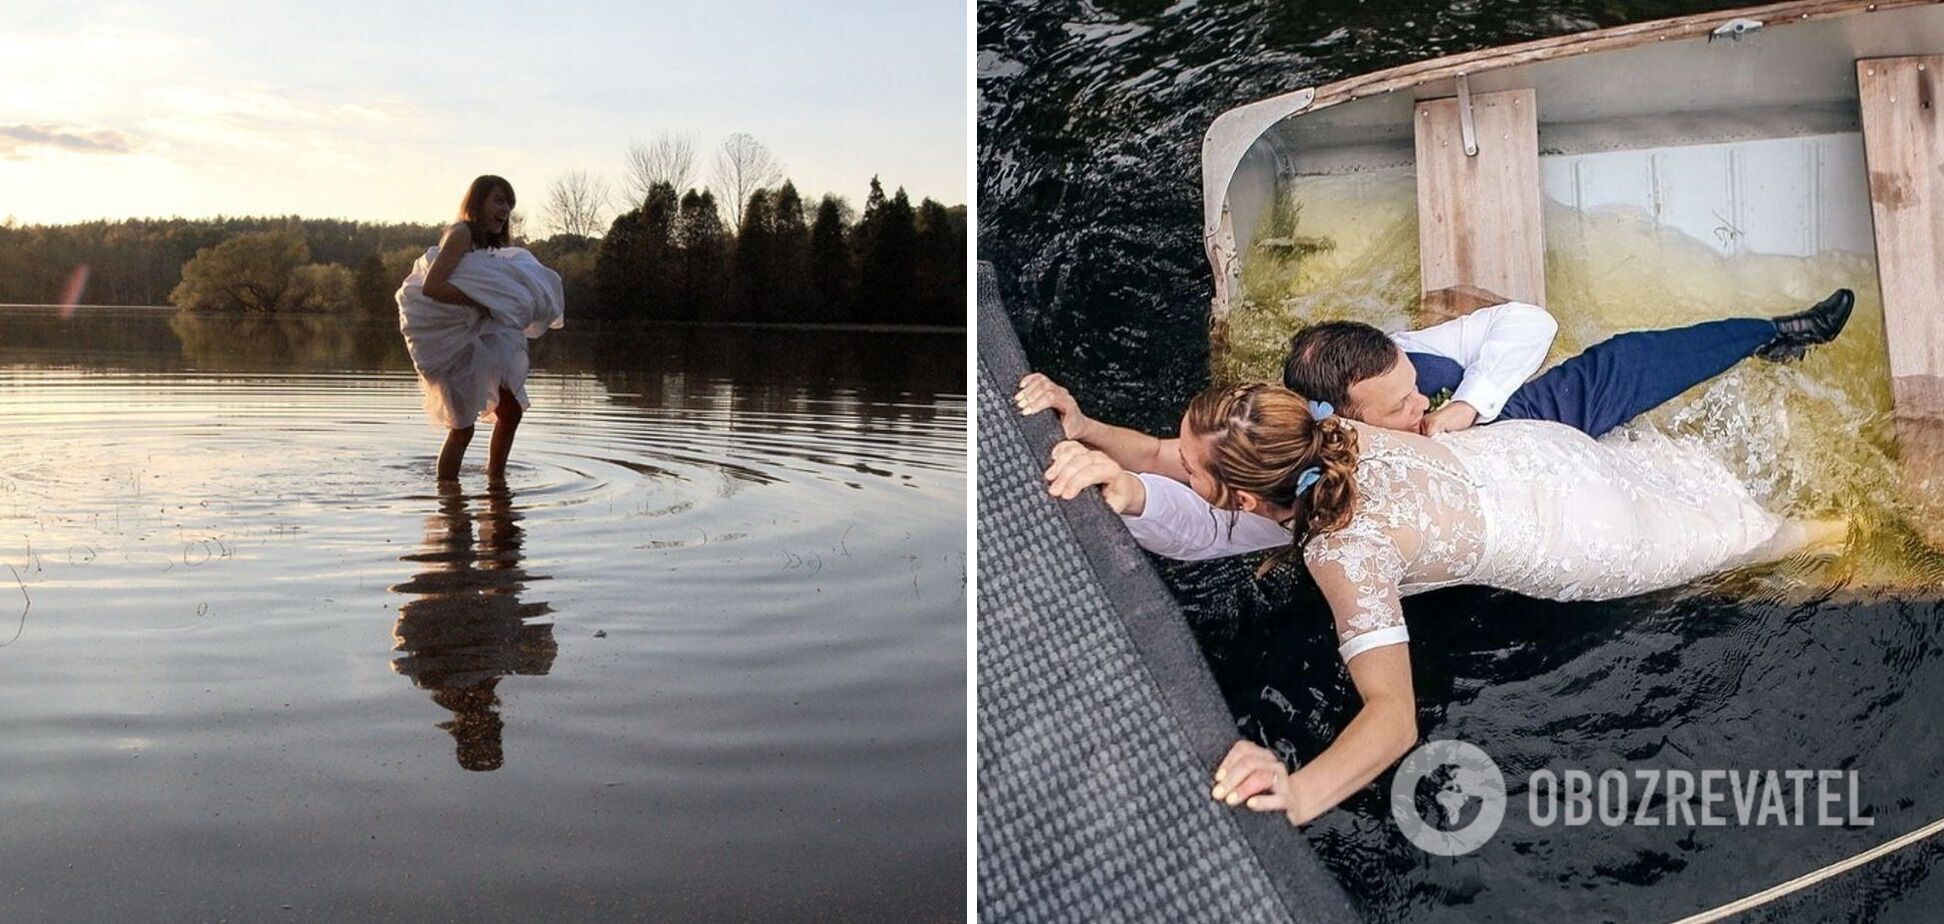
670, 158
742, 166
575, 203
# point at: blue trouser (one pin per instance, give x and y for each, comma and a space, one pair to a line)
1619, 378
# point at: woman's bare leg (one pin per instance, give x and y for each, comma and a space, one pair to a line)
506, 422
1809, 537
453, 453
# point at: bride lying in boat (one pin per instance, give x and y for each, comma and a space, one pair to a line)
1535, 507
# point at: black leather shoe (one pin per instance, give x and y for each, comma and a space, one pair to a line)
1796, 333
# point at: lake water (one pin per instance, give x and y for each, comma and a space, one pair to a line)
1091, 116
702, 656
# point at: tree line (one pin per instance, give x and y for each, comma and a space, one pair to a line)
140, 261
674, 258
671, 258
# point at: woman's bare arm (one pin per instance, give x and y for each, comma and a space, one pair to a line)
456, 243
1382, 732
1133, 450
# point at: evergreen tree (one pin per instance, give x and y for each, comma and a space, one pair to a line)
755, 263
636, 267
790, 294
866, 228
657, 276
830, 264
873, 202
887, 248
939, 270
621, 257
701, 244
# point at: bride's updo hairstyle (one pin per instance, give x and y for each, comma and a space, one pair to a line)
1261, 439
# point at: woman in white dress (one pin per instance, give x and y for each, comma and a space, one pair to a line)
1528, 506
467, 311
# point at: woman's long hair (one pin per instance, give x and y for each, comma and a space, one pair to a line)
1260, 439
475, 203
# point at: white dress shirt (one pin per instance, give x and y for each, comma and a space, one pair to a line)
1500, 347
1178, 524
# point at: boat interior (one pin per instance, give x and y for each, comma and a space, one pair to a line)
1795, 130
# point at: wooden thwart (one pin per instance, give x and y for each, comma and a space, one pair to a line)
1478, 215
1903, 143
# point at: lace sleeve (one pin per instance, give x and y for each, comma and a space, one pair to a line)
1358, 569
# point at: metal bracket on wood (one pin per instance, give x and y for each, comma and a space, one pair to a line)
1466, 131
1735, 29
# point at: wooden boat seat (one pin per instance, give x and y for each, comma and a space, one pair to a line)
1478, 214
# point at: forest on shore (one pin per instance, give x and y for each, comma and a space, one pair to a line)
669, 257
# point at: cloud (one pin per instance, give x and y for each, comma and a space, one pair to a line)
17, 140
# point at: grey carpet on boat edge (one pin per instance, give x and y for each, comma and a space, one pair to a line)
1099, 724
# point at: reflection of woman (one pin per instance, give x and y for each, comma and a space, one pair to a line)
1529, 506
467, 310
467, 627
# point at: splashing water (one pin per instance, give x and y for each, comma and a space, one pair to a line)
1814, 439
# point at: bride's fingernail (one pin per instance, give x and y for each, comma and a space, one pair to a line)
1217, 793
1219, 774
1235, 798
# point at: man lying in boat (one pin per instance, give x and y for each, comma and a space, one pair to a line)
1576, 519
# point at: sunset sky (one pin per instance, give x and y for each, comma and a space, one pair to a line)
350, 110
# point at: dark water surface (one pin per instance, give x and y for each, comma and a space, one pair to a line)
701, 657
1091, 117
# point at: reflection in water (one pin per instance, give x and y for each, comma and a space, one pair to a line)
467, 628
814, 612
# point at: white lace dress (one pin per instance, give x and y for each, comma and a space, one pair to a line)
1528, 506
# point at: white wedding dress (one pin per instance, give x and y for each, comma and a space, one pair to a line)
463, 358
1529, 506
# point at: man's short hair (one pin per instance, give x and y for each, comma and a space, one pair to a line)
1326, 359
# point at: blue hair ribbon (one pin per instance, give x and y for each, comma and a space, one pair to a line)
1321, 411
1308, 477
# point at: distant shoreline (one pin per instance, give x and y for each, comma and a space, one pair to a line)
585, 325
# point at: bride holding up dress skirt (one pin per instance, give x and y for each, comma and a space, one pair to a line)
467, 311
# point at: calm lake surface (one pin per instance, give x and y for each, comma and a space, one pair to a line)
1091, 115
701, 657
